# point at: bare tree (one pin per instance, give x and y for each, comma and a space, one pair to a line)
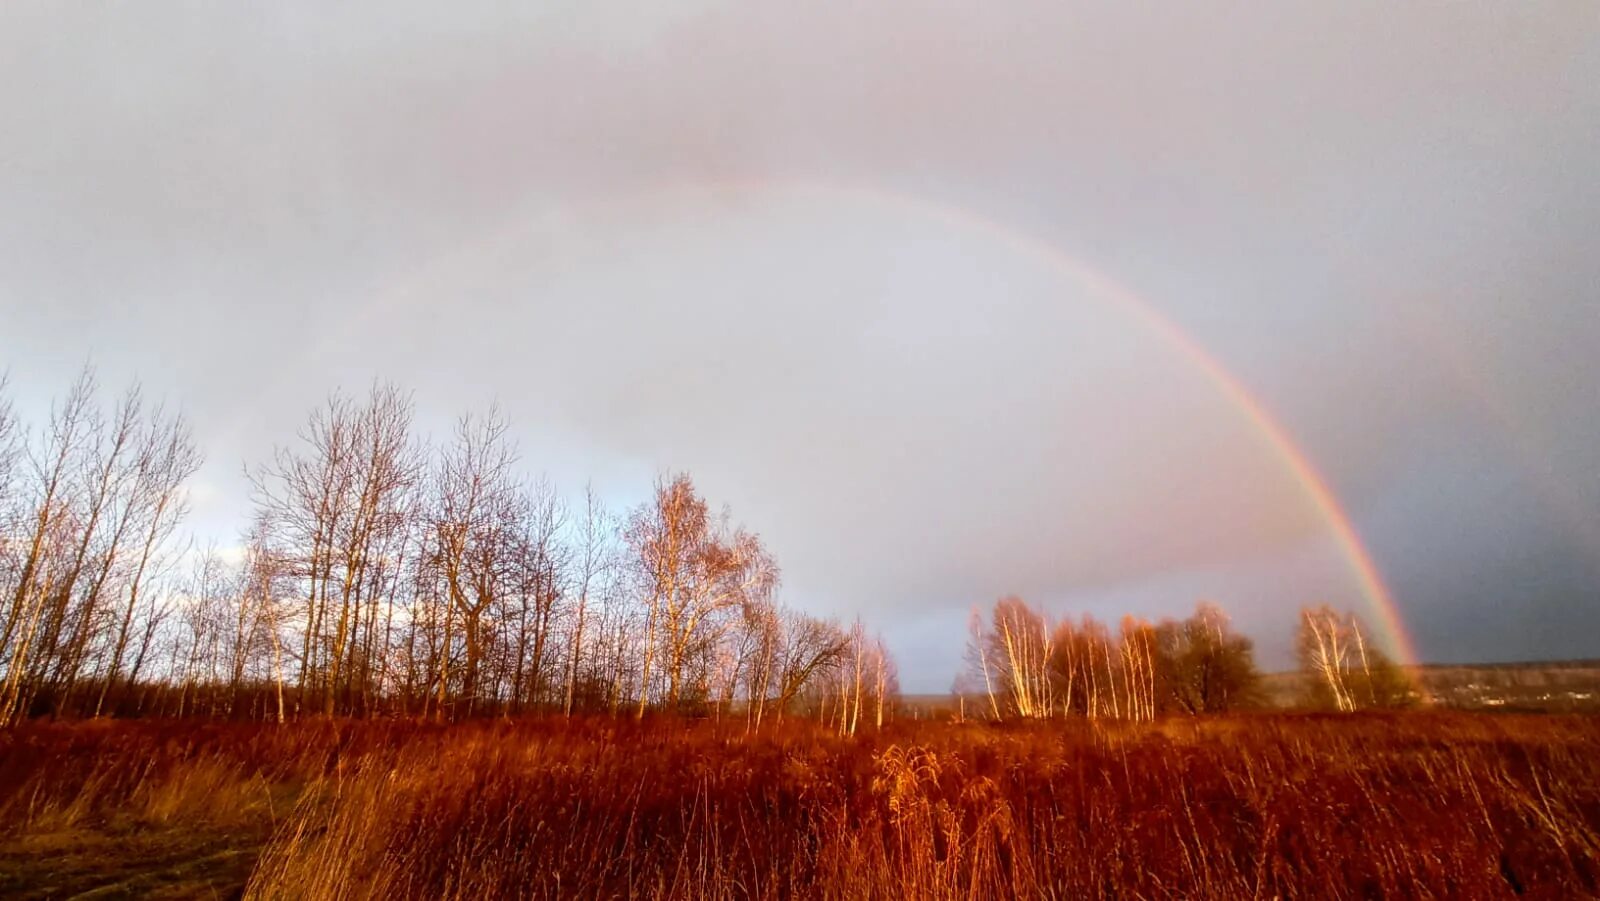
200, 648
863, 686
537, 587
808, 649
102, 519
595, 561
981, 671
11, 449
1343, 669
694, 573
168, 460
475, 525
345, 503
9, 436
1071, 657
1021, 645
261, 588
70, 421
1140, 673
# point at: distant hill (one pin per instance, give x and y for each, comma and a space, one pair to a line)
1543, 685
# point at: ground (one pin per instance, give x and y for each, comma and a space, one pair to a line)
1407, 804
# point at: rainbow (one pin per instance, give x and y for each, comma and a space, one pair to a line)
1265, 425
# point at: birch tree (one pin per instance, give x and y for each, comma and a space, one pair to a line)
1343, 669
694, 573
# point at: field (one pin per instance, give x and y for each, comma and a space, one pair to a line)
1409, 805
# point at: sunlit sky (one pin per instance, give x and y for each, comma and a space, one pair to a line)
851, 266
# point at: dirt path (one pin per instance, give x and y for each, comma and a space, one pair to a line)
164, 864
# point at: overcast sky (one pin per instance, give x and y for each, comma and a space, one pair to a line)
822, 256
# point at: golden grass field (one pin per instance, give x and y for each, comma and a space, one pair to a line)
1402, 805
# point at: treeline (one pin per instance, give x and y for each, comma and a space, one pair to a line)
385, 575
1021, 664
382, 574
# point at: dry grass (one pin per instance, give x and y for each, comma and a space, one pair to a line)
1418, 805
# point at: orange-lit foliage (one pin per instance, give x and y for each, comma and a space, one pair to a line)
1397, 805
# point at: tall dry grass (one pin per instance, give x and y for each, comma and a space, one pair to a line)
1418, 805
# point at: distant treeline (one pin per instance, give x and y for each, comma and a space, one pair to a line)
1021, 664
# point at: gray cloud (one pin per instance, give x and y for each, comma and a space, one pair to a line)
667, 238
